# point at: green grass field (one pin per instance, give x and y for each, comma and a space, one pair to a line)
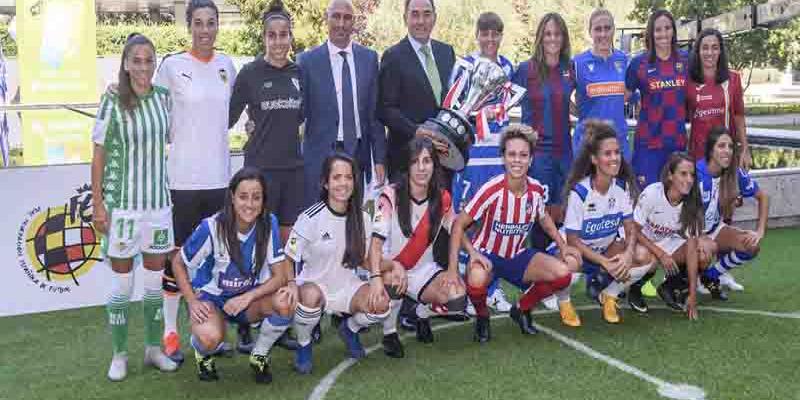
64, 355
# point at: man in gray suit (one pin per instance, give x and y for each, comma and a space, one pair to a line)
346, 72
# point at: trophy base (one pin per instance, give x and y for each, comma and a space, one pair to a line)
454, 129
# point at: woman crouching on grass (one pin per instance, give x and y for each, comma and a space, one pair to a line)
723, 184
600, 197
669, 215
239, 274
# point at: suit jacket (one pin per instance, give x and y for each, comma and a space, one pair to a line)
322, 113
406, 96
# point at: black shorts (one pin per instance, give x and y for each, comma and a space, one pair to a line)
189, 207
285, 193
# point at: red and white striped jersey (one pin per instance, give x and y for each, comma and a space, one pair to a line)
505, 219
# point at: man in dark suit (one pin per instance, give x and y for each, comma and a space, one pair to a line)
413, 81
340, 94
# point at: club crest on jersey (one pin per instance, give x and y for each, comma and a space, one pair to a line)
293, 244
591, 67
619, 65
267, 85
679, 67
296, 83
223, 75
612, 202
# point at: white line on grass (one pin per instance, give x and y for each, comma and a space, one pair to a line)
665, 389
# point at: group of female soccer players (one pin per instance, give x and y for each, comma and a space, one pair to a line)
620, 220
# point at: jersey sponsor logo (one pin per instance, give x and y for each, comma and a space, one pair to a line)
660, 84
281, 104
601, 227
605, 89
232, 282
711, 112
660, 231
510, 229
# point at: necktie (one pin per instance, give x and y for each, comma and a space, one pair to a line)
348, 113
433, 73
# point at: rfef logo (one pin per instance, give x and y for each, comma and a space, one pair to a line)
56, 245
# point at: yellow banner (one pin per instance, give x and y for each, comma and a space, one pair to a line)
57, 49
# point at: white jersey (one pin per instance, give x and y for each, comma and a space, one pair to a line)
317, 243
417, 249
659, 219
595, 217
199, 157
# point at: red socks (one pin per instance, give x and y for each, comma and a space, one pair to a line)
540, 290
478, 297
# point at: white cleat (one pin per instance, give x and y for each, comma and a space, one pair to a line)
727, 279
119, 367
155, 358
470, 310
498, 301
702, 288
551, 303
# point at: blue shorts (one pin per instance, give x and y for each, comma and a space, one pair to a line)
512, 269
219, 302
467, 182
551, 172
647, 164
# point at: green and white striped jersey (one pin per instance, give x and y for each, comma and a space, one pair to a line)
135, 174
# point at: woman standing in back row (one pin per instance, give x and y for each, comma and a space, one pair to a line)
659, 74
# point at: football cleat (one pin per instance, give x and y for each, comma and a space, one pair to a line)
206, 368
118, 369
354, 348
424, 332
244, 343
569, 316
153, 357
302, 359
497, 301
668, 296
260, 365
392, 346
470, 310
408, 324
636, 301
551, 303
714, 287
609, 303
482, 330
727, 279
701, 289
524, 320
172, 347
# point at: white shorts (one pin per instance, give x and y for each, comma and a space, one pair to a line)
133, 232
671, 244
338, 289
420, 277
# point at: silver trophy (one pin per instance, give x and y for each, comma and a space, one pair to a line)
482, 81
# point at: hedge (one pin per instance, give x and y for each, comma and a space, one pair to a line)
167, 38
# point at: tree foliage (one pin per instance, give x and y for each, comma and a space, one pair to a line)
757, 48
308, 22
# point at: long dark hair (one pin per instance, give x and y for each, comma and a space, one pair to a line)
650, 33
696, 63
692, 213
403, 187
538, 47
728, 183
127, 96
595, 132
228, 228
355, 246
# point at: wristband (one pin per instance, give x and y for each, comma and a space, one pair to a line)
374, 276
